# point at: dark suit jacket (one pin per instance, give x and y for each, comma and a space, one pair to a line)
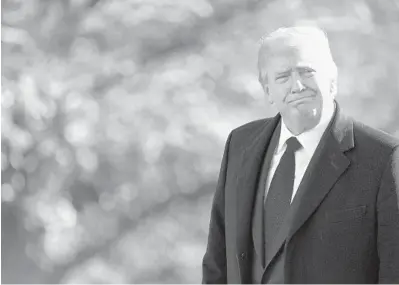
343, 225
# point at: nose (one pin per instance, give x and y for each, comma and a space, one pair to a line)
297, 85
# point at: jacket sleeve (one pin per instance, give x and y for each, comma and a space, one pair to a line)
388, 221
214, 261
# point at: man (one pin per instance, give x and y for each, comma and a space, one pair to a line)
309, 196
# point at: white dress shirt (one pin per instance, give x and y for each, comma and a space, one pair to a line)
309, 141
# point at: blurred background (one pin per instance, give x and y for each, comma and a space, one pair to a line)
115, 114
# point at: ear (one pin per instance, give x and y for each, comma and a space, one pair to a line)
267, 92
266, 89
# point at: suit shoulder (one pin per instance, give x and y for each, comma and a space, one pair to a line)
250, 127
247, 133
369, 135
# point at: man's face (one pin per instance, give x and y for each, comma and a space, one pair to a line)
299, 85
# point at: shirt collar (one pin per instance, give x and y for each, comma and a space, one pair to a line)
309, 139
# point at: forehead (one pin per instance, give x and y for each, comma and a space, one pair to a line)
292, 57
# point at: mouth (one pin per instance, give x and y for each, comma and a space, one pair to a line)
301, 98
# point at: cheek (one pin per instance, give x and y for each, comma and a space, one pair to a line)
280, 90
313, 83
277, 95
322, 84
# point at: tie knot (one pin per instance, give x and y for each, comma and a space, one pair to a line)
293, 144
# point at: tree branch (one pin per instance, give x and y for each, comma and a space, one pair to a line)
127, 225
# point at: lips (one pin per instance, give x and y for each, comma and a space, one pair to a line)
300, 98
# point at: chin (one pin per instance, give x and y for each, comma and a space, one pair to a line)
307, 107
308, 112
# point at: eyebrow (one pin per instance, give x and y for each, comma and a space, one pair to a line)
285, 72
305, 68
299, 68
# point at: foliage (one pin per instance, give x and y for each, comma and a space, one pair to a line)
115, 113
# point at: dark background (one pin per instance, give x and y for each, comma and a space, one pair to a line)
115, 113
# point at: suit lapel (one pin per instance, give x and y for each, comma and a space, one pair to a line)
258, 211
247, 181
326, 166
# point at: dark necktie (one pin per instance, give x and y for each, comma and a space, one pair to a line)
278, 198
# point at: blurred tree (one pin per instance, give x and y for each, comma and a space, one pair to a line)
114, 116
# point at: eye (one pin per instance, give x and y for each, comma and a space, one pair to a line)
282, 78
308, 73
